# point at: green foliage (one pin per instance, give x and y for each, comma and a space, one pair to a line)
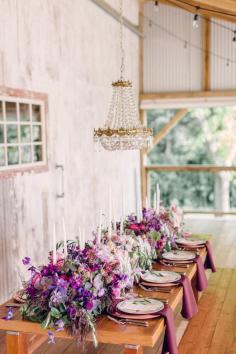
204, 136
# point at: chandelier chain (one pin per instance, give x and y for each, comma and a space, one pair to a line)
122, 65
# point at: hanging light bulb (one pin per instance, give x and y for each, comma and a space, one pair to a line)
156, 5
234, 38
195, 21
123, 129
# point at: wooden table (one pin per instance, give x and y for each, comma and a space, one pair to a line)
22, 337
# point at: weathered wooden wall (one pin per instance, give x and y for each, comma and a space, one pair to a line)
68, 49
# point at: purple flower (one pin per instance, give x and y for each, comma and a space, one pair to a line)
89, 305
58, 297
60, 326
9, 315
101, 292
51, 338
26, 261
71, 312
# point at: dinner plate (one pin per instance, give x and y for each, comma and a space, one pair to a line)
162, 277
190, 242
140, 306
179, 256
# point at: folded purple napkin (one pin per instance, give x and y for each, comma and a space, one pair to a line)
201, 275
189, 307
169, 345
209, 263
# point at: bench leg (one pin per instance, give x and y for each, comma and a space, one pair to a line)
133, 349
16, 343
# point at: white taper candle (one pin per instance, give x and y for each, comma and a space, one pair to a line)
157, 198
64, 236
109, 212
54, 245
99, 228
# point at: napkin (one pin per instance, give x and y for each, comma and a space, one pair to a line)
201, 275
189, 308
209, 263
169, 345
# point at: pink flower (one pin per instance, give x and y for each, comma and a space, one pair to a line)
134, 227
116, 292
36, 278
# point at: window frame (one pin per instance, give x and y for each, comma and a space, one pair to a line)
31, 98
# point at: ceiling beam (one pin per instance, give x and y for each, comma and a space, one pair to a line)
161, 134
187, 94
191, 168
206, 57
221, 12
116, 15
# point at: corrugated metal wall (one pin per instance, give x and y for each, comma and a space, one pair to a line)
172, 64
223, 72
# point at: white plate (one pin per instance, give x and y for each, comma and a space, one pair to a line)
179, 255
190, 242
140, 306
162, 277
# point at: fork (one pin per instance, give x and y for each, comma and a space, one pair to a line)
181, 265
155, 288
177, 271
128, 321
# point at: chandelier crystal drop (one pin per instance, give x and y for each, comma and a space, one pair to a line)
123, 129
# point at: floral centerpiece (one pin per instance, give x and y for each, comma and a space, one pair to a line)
160, 229
73, 292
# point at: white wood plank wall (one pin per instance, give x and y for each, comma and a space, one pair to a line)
68, 49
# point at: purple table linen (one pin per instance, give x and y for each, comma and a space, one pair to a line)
189, 307
170, 344
202, 282
209, 263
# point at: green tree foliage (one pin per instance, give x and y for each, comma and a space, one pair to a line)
204, 136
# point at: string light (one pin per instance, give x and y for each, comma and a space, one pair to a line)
195, 20
187, 43
234, 38
156, 5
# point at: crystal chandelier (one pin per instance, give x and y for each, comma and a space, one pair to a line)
123, 129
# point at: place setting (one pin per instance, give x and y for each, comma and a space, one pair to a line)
178, 258
138, 310
195, 244
162, 280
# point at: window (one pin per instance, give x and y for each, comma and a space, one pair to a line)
22, 131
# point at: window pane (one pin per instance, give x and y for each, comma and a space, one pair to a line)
1, 133
38, 153
36, 113
2, 156
1, 111
26, 154
24, 112
25, 133
37, 133
13, 155
12, 136
11, 114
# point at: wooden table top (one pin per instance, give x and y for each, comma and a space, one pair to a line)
108, 331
